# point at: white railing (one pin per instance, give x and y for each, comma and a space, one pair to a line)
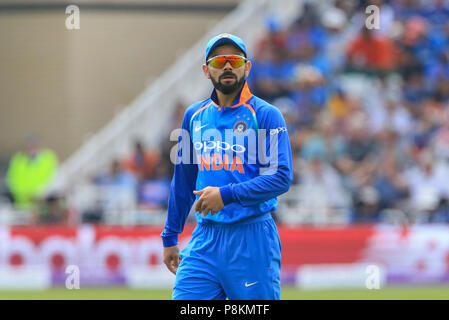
306, 204
147, 115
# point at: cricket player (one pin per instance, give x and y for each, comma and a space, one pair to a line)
234, 159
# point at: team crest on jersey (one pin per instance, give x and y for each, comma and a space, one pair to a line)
240, 127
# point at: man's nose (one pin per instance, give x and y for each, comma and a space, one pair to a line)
227, 65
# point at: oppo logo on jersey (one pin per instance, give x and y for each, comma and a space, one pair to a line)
218, 161
218, 146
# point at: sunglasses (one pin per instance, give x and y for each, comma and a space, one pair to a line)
220, 61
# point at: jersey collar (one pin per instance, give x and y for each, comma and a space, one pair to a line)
243, 96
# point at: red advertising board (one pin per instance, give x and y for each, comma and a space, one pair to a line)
408, 253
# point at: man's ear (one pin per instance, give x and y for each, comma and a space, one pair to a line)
206, 71
247, 68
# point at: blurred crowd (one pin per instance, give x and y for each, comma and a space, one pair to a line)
367, 110
141, 178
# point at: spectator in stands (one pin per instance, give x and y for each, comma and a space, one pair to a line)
436, 12
305, 37
439, 70
441, 214
323, 142
153, 193
324, 193
348, 6
339, 107
274, 37
408, 63
366, 205
309, 92
428, 180
389, 183
423, 41
440, 142
407, 8
142, 162
271, 72
415, 91
30, 173
116, 176
361, 146
424, 130
53, 211
393, 117
5, 194
371, 53
442, 90
118, 187
338, 35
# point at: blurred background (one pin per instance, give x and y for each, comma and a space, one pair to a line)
89, 118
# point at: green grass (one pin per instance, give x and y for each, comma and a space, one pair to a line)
387, 293
288, 293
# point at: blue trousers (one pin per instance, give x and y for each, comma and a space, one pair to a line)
239, 261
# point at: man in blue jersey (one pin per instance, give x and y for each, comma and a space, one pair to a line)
234, 159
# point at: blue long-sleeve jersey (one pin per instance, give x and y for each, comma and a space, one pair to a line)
244, 149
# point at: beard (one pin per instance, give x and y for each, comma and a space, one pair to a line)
228, 88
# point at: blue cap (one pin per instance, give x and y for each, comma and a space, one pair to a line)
222, 39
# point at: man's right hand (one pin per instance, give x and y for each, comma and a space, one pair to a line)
171, 258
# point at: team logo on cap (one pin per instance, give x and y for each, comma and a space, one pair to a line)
240, 127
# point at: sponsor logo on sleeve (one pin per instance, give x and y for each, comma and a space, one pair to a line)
277, 130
